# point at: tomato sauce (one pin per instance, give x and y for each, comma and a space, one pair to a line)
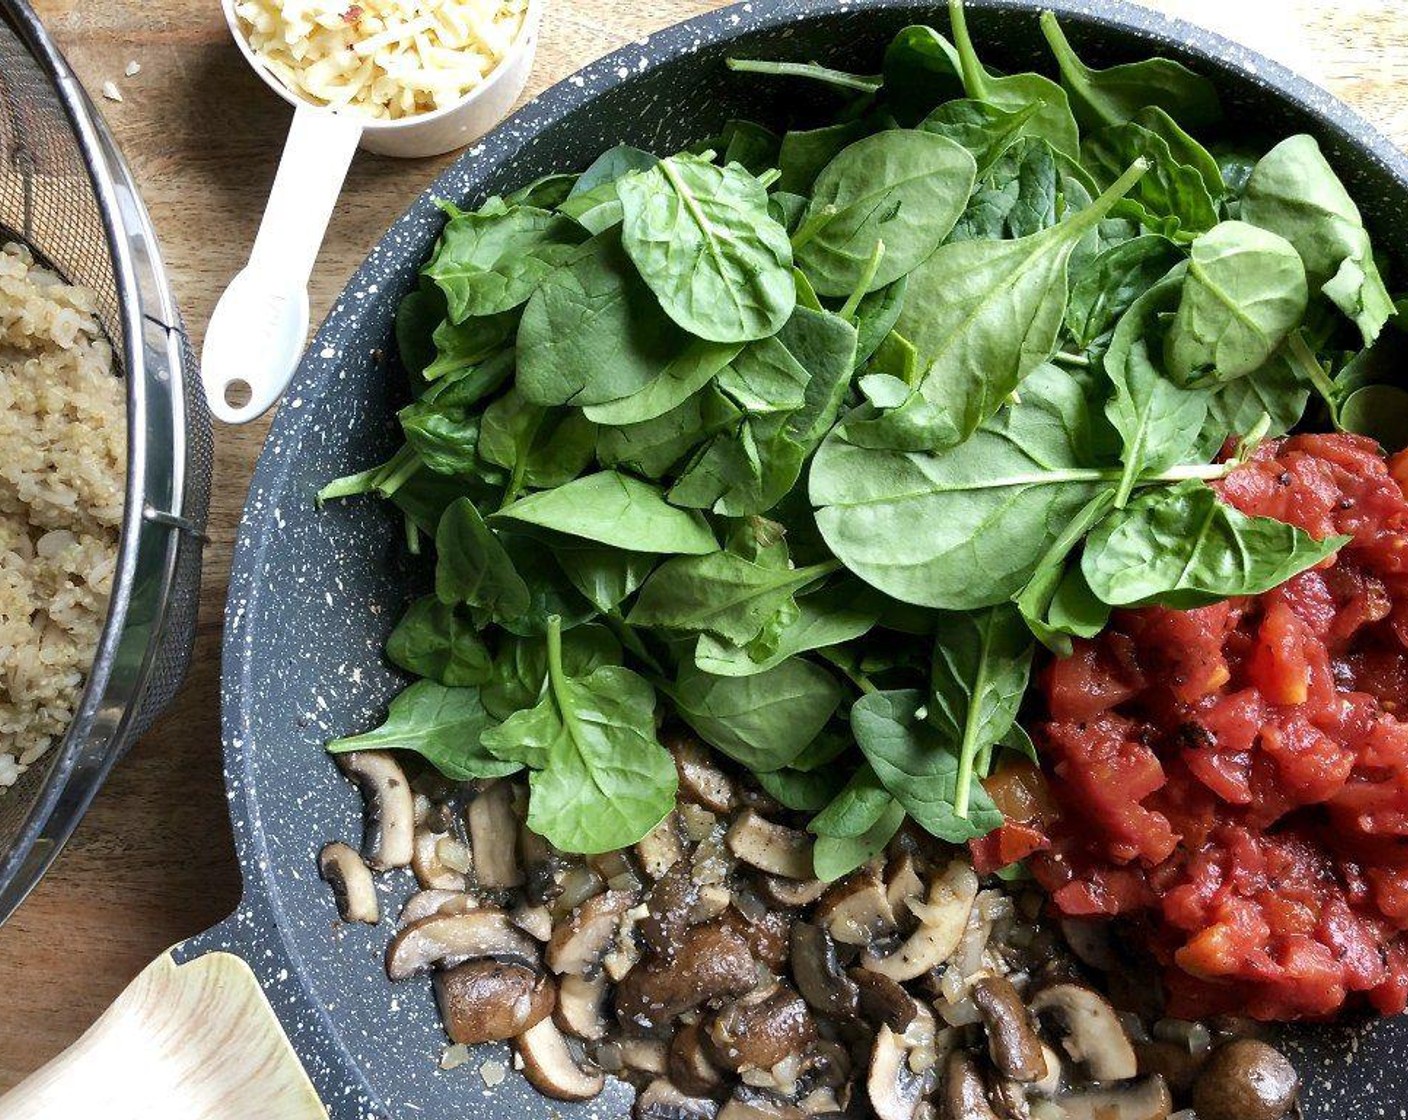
1233, 780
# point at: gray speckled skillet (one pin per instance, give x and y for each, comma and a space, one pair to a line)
314, 594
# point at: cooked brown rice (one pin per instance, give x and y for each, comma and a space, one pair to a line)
63, 440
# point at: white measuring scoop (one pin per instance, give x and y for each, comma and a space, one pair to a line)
260, 325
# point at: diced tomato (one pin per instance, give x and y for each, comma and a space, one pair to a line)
1236, 777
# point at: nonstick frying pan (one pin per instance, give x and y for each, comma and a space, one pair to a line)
315, 593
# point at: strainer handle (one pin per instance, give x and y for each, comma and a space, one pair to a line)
260, 325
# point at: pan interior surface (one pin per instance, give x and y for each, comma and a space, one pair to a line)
315, 593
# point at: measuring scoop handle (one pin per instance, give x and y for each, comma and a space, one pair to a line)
260, 325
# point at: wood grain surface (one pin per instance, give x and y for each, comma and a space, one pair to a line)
153, 861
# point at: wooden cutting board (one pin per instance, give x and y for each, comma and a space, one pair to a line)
153, 862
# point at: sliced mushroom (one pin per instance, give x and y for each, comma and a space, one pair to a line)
581, 1007
535, 921
1175, 1063
965, 1094
712, 902
579, 944
661, 1100
712, 963
817, 972
903, 883
1090, 941
1013, 1043
883, 1002
689, 1065
661, 848
351, 881
943, 917
389, 837
645, 1055
856, 911
669, 908
770, 847
1049, 1085
456, 937
793, 893
898, 1079
760, 1030
1093, 1033
767, 932
701, 782
493, 837
550, 1067
544, 867
1246, 1079
423, 904
432, 873
748, 1103
1144, 1099
489, 1001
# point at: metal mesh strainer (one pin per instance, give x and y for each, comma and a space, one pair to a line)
66, 192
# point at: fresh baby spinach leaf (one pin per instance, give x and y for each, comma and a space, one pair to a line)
616, 510
1182, 547
1116, 94
442, 725
703, 240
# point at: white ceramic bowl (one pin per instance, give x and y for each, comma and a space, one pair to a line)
444, 130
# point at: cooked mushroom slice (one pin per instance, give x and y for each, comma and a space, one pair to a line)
883, 1002
1094, 1035
581, 1007
662, 1101
390, 813
535, 921
432, 872
669, 908
899, 1078
965, 1095
645, 1055
760, 1030
767, 932
1090, 941
748, 1103
544, 867
456, 937
1049, 1085
943, 917
661, 848
856, 911
548, 1063
493, 837
793, 893
489, 1001
423, 904
1246, 1080
1144, 1099
713, 900
1012, 1039
689, 1065
903, 882
701, 782
770, 847
818, 974
351, 882
712, 963
1009, 1099
1175, 1063
579, 943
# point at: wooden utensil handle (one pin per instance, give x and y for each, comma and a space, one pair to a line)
197, 1041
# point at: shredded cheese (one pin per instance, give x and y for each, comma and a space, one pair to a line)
389, 59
